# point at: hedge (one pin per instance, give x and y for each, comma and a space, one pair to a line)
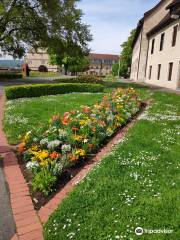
81, 79
10, 75
28, 91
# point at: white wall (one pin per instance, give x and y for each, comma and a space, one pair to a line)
135, 58
150, 22
164, 57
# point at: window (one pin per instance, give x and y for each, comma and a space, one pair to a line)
170, 71
150, 72
174, 35
152, 47
162, 41
159, 72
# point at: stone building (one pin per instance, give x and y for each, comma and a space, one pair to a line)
41, 58
100, 64
156, 46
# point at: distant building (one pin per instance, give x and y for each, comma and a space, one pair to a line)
41, 58
156, 47
100, 64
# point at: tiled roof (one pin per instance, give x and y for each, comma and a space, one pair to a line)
104, 56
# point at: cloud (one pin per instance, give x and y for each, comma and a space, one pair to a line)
112, 20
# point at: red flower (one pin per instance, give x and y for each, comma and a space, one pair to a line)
54, 155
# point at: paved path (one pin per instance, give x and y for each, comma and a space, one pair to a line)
150, 86
18, 219
7, 224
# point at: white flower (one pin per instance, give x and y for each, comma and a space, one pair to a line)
31, 165
53, 144
62, 133
44, 141
66, 148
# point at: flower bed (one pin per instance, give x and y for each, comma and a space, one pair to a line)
75, 136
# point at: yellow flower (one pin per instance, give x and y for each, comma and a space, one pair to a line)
34, 148
80, 152
43, 154
78, 138
119, 106
44, 163
82, 122
27, 136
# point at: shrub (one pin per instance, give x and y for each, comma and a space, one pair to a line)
90, 79
82, 79
42, 68
78, 134
27, 91
10, 75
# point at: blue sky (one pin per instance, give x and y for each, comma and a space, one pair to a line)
112, 20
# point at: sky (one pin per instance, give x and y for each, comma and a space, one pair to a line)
112, 20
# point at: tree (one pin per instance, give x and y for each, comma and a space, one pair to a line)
115, 69
73, 64
126, 56
54, 25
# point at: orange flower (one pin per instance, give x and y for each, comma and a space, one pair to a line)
75, 128
21, 148
73, 158
90, 146
86, 109
66, 114
54, 155
94, 129
73, 112
55, 118
65, 121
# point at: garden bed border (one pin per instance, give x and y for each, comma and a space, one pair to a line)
29, 222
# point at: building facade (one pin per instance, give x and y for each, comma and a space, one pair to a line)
100, 64
156, 47
37, 59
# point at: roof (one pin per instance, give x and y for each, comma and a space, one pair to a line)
166, 20
141, 22
146, 14
138, 30
104, 56
173, 4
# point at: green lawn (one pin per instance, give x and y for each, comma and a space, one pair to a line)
44, 74
23, 115
136, 186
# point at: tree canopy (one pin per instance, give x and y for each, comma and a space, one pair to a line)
50, 24
126, 55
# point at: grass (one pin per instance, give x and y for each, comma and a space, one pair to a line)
44, 74
23, 115
136, 186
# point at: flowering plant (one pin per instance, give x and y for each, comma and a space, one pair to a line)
77, 134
